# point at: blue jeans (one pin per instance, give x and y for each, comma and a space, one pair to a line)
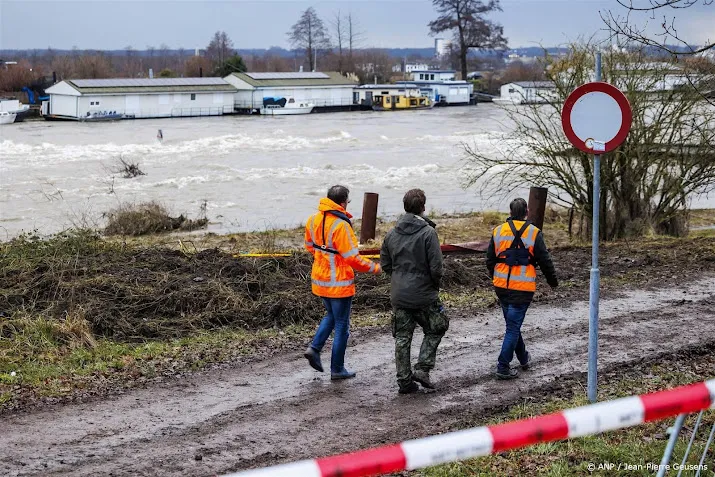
513, 342
338, 318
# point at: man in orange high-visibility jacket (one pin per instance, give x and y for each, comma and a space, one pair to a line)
515, 249
330, 238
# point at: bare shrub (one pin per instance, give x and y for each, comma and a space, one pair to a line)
128, 170
147, 218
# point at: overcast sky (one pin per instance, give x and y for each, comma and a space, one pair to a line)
114, 24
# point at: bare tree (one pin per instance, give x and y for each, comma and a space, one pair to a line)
220, 48
636, 15
163, 56
197, 65
179, 60
465, 18
646, 184
631, 24
309, 34
338, 37
355, 36
131, 67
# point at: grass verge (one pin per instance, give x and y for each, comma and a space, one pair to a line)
638, 446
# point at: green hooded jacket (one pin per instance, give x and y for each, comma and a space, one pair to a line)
412, 257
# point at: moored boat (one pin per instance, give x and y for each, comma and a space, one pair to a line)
400, 102
7, 118
282, 107
14, 106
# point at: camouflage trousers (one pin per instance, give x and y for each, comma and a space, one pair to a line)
434, 323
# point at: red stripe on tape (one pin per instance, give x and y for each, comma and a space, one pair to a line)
529, 431
682, 400
382, 460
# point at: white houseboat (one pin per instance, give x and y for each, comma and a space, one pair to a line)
446, 90
329, 90
138, 98
526, 92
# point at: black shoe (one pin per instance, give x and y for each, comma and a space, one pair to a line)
409, 389
508, 374
526, 365
313, 358
422, 377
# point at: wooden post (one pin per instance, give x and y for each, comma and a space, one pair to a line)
537, 205
369, 217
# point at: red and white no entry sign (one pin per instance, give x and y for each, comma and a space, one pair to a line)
596, 117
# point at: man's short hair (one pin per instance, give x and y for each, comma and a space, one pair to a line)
338, 194
414, 201
518, 208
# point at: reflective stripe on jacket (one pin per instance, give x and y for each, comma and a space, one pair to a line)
522, 277
336, 257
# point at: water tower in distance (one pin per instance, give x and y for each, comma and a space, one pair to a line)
441, 46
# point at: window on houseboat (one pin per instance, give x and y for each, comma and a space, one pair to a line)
193, 97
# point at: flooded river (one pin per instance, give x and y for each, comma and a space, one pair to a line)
254, 173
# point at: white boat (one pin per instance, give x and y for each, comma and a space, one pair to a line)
281, 107
14, 106
7, 118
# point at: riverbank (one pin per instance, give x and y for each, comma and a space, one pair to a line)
252, 413
87, 316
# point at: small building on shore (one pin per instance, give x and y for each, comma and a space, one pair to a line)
91, 99
433, 75
325, 90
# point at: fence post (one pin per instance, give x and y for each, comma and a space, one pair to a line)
537, 205
369, 217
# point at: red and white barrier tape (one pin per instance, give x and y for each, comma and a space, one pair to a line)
481, 441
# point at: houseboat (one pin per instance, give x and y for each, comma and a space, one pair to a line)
446, 90
526, 92
400, 102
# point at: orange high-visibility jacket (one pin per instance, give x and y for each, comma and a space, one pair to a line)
522, 277
332, 242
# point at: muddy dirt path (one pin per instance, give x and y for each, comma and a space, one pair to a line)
279, 409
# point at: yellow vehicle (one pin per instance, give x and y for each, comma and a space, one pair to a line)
399, 101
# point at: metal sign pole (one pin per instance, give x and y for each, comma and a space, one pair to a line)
595, 273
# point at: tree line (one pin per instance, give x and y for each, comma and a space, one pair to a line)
334, 45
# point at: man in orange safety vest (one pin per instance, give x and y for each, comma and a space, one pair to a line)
330, 238
515, 249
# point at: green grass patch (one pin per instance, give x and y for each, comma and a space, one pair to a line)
637, 446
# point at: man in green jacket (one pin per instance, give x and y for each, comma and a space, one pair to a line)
412, 257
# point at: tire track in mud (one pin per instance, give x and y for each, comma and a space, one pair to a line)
279, 409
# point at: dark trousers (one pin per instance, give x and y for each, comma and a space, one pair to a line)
513, 342
434, 323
